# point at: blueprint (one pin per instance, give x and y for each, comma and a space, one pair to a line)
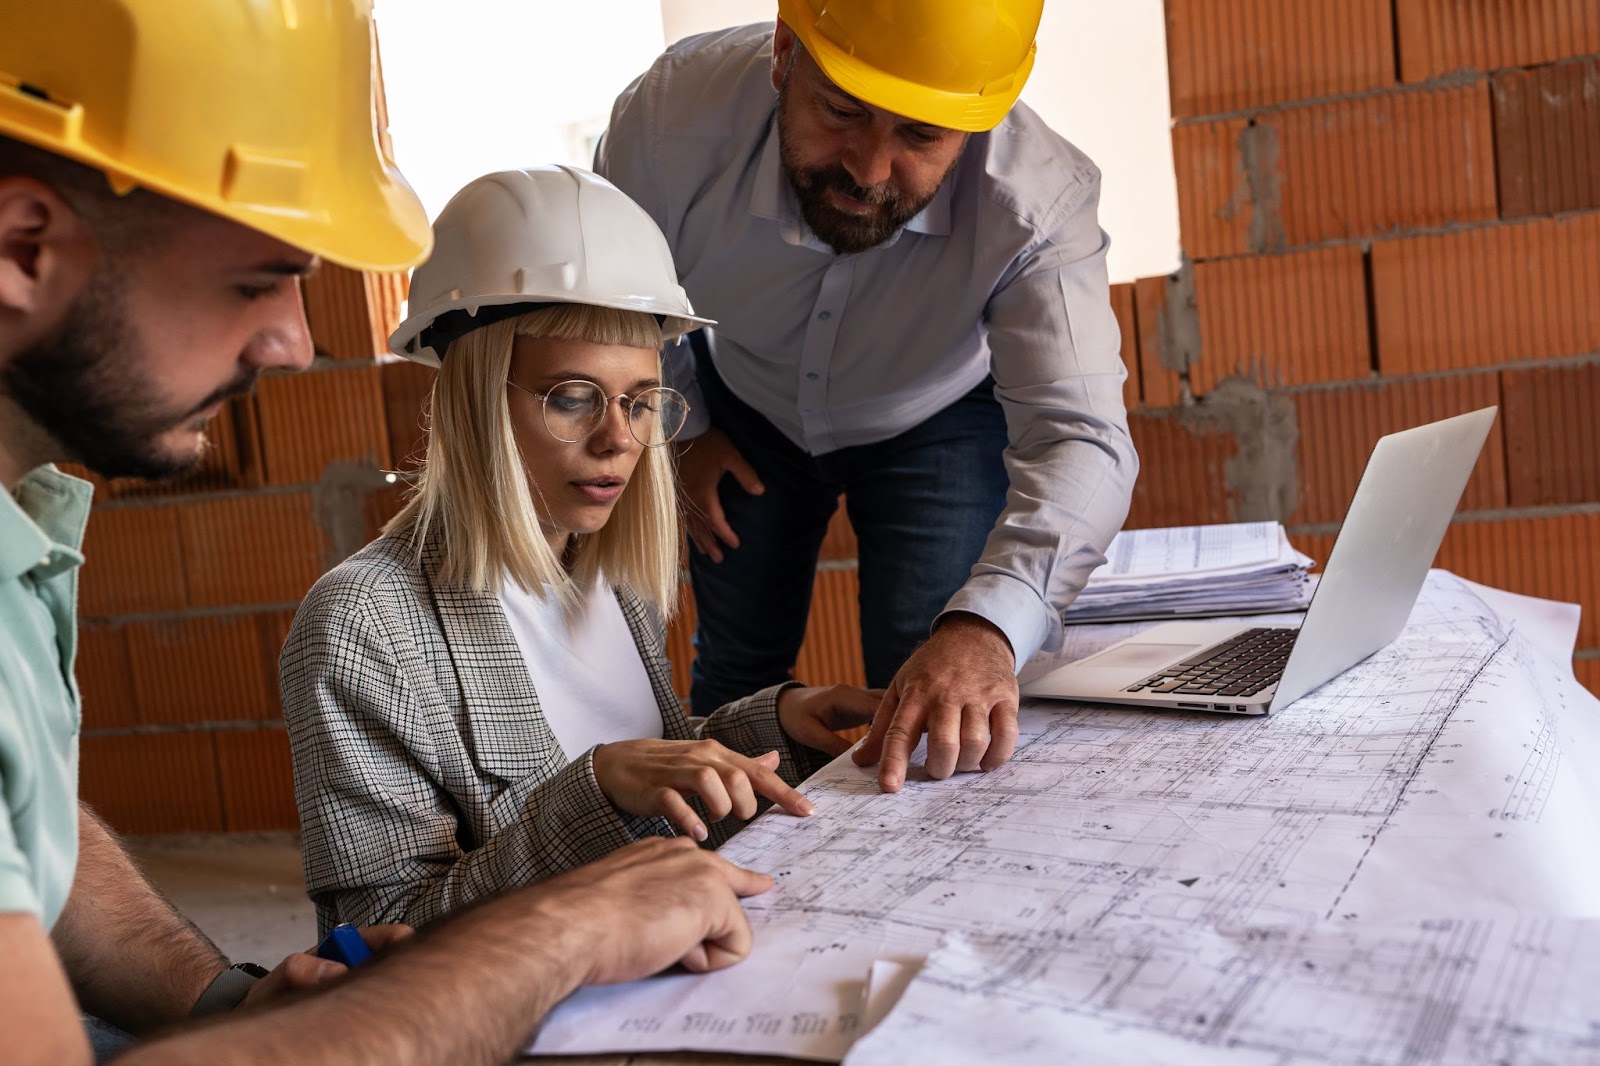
1437, 782
1443, 991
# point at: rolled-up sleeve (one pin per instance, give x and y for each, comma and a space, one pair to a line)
1056, 360
17, 892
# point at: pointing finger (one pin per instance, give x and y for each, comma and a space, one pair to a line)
899, 741
770, 785
871, 749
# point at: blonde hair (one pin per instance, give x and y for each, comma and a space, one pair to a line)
472, 492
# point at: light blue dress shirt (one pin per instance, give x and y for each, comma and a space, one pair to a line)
1003, 273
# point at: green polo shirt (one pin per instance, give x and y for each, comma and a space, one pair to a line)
41, 531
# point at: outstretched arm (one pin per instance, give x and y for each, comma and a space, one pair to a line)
472, 989
131, 958
467, 993
1071, 466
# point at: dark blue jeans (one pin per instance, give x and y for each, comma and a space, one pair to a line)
105, 1039
921, 505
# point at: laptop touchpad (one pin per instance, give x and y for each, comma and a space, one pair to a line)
1140, 656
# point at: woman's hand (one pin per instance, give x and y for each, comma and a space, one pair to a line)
304, 970
651, 778
814, 715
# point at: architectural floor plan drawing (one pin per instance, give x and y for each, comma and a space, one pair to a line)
1504, 992
1435, 781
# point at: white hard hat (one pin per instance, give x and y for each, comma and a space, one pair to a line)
544, 235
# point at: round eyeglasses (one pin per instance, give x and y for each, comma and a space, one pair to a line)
573, 410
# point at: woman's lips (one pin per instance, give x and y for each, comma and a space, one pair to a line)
600, 492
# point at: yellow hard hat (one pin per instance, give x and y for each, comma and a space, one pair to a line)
960, 64
261, 112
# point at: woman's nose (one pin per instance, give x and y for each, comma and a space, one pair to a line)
614, 433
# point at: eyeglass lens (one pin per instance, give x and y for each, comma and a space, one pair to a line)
573, 410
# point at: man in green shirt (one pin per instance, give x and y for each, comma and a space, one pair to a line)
41, 527
167, 172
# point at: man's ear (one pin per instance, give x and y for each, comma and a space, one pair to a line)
782, 52
45, 250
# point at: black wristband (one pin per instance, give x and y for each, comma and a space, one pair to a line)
228, 989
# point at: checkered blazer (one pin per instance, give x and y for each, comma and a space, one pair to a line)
425, 774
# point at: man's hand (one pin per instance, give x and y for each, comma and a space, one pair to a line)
702, 462
304, 970
651, 778
961, 689
814, 715
469, 988
652, 904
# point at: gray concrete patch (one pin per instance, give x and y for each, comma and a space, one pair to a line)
1178, 325
338, 502
1262, 478
1258, 188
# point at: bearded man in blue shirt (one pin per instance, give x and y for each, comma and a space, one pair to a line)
909, 279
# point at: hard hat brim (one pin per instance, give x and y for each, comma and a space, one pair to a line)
382, 228
968, 112
674, 323
388, 233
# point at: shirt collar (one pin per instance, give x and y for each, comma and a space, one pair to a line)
773, 198
42, 524
934, 220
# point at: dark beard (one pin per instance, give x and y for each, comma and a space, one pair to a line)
845, 233
82, 388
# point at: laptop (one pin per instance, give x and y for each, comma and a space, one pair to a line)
1391, 532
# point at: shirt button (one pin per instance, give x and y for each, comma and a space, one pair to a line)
811, 375
824, 315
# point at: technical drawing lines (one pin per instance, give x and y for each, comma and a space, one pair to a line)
1116, 814
1442, 702
1141, 887
1531, 788
1375, 995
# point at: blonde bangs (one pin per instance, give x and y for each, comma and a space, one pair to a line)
597, 325
472, 493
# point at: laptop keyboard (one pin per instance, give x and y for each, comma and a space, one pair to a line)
1239, 666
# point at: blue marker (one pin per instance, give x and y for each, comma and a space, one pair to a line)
344, 944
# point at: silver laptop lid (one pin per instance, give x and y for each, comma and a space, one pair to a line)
1381, 557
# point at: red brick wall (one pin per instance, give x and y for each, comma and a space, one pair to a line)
1390, 213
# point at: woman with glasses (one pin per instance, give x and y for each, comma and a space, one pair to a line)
480, 698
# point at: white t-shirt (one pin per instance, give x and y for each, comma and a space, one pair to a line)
585, 667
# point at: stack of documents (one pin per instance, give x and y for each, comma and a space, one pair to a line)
1195, 571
